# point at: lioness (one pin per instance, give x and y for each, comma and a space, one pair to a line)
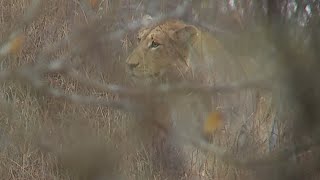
173, 51
175, 47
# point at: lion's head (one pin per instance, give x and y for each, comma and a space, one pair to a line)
161, 48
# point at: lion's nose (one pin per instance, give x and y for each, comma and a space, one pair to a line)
132, 65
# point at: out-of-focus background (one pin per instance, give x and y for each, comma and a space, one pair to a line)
70, 111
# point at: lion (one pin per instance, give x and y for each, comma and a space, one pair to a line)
172, 51
173, 46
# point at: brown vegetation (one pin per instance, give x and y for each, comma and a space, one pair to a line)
68, 110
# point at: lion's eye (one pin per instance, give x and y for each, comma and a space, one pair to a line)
154, 44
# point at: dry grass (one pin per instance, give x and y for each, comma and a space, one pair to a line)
36, 124
62, 117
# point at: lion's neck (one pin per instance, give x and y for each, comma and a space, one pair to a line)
204, 53
207, 46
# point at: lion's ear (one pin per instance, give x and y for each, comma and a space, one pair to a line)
186, 34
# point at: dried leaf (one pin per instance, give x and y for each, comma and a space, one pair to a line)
13, 45
17, 43
213, 122
93, 3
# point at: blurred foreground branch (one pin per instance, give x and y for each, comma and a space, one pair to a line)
301, 69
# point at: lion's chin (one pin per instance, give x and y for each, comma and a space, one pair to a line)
145, 79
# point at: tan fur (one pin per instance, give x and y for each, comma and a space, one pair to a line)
154, 62
185, 52
175, 58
